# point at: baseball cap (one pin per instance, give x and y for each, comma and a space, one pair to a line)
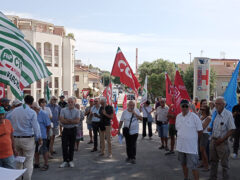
184, 101
2, 111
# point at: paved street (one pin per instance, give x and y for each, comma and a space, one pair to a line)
151, 164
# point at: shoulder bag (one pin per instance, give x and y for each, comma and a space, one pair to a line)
126, 130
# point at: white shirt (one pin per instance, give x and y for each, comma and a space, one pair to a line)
187, 132
148, 108
126, 117
162, 113
95, 110
222, 124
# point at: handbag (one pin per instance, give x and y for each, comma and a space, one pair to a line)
150, 118
127, 129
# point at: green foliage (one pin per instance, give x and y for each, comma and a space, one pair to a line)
71, 35
156, 76
188, 79
116, 80
105, 78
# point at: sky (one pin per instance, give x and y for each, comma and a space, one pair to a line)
168, 29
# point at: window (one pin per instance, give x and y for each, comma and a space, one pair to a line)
39, 85
39, 48
76, 78
48, 53
56, 56
56, 82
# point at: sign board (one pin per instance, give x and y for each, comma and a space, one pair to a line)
85, 93
201, 78
84, 102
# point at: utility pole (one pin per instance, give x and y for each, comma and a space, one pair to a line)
190, 55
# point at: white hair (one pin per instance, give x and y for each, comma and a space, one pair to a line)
220, 98
102, 98
72, 98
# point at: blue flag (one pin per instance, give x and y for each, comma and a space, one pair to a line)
230, 94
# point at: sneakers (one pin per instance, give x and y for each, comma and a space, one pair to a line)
63, 165
234, 156
162, 147
170, 152
71, 164
110, 156
133, 161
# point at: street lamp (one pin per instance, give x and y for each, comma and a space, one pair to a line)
190, 55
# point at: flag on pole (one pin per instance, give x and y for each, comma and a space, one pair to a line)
47, 93
169, 90
144, 92
125, 102
122, 69
108, 94
180, 91
20, 63
180, 86
230, 94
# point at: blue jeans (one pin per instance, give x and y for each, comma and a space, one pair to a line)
162, 130
8, 162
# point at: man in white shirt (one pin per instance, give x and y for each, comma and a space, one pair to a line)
189, 127
223, 127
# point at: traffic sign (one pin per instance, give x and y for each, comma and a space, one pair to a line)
85, 93
84, 102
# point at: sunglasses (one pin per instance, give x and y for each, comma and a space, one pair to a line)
184, 106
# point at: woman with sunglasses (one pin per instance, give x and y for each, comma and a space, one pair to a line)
206, 119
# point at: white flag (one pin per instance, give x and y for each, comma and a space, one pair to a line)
144, 93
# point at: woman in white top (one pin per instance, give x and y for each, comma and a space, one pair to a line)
206, 119
147, 109
42, 103
132, 115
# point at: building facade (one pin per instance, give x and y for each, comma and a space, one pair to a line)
56, 49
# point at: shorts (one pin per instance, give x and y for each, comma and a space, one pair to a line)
43, 148
162, 130
204, 140
172, 130
89, 126
190, 160
55, 131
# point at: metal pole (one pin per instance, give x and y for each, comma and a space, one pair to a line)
190, 54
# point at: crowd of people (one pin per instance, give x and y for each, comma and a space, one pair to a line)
29, 129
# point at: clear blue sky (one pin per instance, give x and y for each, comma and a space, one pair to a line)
168, 29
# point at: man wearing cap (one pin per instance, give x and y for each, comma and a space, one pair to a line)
45, 125
55, 109
26, 127
89, 120
5, 104
223, 127
7, 147
189, 127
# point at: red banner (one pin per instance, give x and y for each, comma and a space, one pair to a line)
122, 69
125, 102
169, 90
180, 91
2, 90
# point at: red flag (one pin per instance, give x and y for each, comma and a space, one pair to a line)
181, 87
114, 125
122, 69
169, 90
108, 94
180, 91
125, 102
2, 90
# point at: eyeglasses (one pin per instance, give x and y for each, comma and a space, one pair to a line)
184, 106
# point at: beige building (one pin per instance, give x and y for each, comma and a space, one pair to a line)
81, 79
223, 69
56, 49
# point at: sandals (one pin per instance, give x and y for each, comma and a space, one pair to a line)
45, 167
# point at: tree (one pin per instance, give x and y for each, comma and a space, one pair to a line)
116, 80
71, 35
105, 78
156, 76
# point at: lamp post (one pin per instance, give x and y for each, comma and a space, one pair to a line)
190, 55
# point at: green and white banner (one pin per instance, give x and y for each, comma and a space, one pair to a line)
20, 63
144, 92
